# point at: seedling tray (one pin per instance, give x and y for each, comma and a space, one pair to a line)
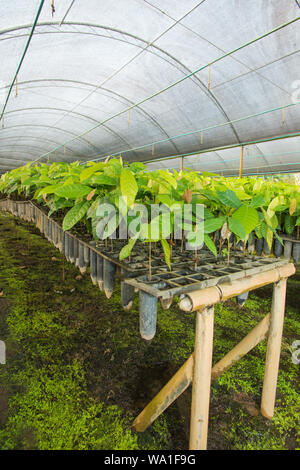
210, 272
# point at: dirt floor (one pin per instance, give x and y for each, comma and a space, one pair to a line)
77, 371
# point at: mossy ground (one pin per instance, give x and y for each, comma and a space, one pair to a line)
77, 371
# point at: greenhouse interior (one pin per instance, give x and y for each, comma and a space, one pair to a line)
149, 227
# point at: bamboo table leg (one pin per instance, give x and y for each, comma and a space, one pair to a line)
273, 349
201, 378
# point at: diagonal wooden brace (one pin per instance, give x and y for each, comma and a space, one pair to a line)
183, 377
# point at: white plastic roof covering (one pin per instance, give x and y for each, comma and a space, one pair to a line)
93, 59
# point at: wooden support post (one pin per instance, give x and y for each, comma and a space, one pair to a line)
181, 165
201, 378
241, 162
273, 349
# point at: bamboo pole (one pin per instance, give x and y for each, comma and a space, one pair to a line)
183, 377
167, 395
256, 335
273, 349
211, 295
201, 379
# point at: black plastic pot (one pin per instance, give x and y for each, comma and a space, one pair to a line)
240, 246
127, 293
93, 267
266, 248
34, 214
71, 249
53, 233
100, 271
76, 252
86, 255
109, 270
288, 246
66, 245
48, 230
166, 303
60, 239
251, 244
278, 249
81, 263
296, 252
241, 299
148, 312
43, 225
259, 246
217, 236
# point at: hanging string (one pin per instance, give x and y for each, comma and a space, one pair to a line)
201, 137
89, 140
52, 8
181, 166
152, 149
3, 121
283, 117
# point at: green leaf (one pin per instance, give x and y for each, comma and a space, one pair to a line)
104, 180
213, 224
237, 227
137, 166
73, 191
229, 198
257, 201
210, 244
89, 171
248, 216
127, 249
288, 224
75, 214
168, 178
129, 187
167, 252
47, 190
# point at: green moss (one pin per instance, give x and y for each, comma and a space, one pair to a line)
78, 371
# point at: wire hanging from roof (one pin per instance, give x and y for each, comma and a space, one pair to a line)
23, 56
226, 123
52, 8
225, 147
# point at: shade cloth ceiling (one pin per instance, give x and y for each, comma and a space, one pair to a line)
86, 83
